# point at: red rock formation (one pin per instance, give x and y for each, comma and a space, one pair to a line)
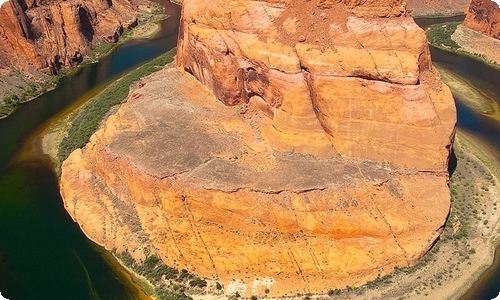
177, 173
54, 34
484, 16
323, 165
423, 8
345, 73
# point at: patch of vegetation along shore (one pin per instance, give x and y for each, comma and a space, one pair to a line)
32, 90
439, 36
88, 118
168, 283
438, 15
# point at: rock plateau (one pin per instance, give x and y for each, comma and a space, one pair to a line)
484, 16
49, 34
311, 151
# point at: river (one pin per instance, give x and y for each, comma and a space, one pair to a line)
43, 253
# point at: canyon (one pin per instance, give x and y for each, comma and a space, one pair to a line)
484, 17
298, 146
47, 35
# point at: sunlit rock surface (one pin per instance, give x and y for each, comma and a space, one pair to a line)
320, 162
484, 16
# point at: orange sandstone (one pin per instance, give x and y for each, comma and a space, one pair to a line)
321, 162
484, 16
49, 34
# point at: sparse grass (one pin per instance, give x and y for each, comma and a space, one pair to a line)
87, 121
169, 283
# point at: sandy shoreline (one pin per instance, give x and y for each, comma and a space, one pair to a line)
478, 44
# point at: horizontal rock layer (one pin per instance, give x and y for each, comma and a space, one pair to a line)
322, 164
48, 35
423, 8
358, 85
177, 173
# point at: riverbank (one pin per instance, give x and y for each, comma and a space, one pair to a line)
17, 88
456, 38
73, 130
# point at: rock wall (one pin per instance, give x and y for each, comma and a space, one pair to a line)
177, 173
345, 78
321, 161
51, 34
423, 8
484, 16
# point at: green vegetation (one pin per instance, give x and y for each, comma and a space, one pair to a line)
439, 36
87, 120
169, 283
100, 50
9, 103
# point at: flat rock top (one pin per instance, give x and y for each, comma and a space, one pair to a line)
182, 130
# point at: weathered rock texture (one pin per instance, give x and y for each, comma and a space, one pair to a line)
51, 34
423, 8
337, 77
324, 164
484, 16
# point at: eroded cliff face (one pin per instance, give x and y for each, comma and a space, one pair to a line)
321, 162
423, 8
51, 34
484, 16
335, 77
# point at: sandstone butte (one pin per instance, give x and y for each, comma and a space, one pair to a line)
422, 8
310, 153
46, 35
484, 16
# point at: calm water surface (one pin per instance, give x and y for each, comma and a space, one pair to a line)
484, 78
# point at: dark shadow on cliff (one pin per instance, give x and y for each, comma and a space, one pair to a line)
85, 24
452, 163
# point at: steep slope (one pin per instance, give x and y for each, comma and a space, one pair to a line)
321, 161
484, 16
51, 34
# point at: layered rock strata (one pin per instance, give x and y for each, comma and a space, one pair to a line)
320, 163
180, 174
49, 34
336, 78
484, 16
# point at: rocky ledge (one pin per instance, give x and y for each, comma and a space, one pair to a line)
426, 8
320, 163
177, 173
484, 16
